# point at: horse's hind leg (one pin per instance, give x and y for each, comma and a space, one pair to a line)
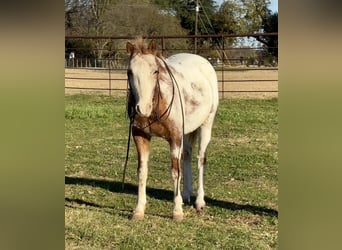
142, 143
204, 138
187, 171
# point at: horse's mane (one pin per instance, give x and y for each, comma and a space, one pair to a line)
141, 47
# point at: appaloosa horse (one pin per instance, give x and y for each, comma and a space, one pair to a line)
174, 98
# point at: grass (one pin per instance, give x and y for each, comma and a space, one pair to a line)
240, 181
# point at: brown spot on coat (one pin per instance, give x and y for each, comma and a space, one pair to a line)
175, 167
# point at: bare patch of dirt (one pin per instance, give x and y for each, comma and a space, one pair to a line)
116, 80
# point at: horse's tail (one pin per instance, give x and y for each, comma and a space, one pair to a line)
193, 137
189, 142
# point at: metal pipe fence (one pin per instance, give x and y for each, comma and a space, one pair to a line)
104, 69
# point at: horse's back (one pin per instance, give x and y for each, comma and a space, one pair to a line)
191, 62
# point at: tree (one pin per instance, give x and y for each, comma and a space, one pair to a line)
151, 21
260, 19
88, 17
247, 16
116, 17
254, 13
228, 19
185, 11
270, 24
166, 17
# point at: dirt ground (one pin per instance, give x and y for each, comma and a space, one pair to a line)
116, 80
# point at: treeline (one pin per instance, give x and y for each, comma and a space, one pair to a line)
165, 17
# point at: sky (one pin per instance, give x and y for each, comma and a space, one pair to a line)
273, 6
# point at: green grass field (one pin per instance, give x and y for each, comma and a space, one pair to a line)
240, 182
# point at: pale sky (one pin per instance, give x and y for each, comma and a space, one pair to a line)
273, 6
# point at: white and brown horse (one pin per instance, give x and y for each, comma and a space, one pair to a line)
176, 99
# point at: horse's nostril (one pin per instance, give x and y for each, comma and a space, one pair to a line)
137, 109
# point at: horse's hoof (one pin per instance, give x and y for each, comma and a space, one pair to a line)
200, 207
178, 217
138, 216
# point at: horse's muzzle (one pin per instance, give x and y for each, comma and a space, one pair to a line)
144, 110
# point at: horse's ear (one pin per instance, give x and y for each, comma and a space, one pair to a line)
152, 46
129, 48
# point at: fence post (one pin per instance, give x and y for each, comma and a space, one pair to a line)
222, 69
110, 80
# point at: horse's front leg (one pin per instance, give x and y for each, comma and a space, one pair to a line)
142, 143
176, 149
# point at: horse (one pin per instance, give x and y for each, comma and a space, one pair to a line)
175, 98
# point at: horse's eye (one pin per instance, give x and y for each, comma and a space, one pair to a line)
156, 72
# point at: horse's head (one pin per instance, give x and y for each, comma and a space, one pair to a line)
143, 74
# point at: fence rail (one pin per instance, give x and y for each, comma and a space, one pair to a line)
239, 70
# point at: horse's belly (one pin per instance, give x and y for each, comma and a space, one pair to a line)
196, 118
198, 106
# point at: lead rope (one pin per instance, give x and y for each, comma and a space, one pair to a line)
127, 153
131, 115
173, 79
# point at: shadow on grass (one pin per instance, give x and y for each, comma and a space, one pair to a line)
159, 194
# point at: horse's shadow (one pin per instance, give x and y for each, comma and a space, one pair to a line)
159, 194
